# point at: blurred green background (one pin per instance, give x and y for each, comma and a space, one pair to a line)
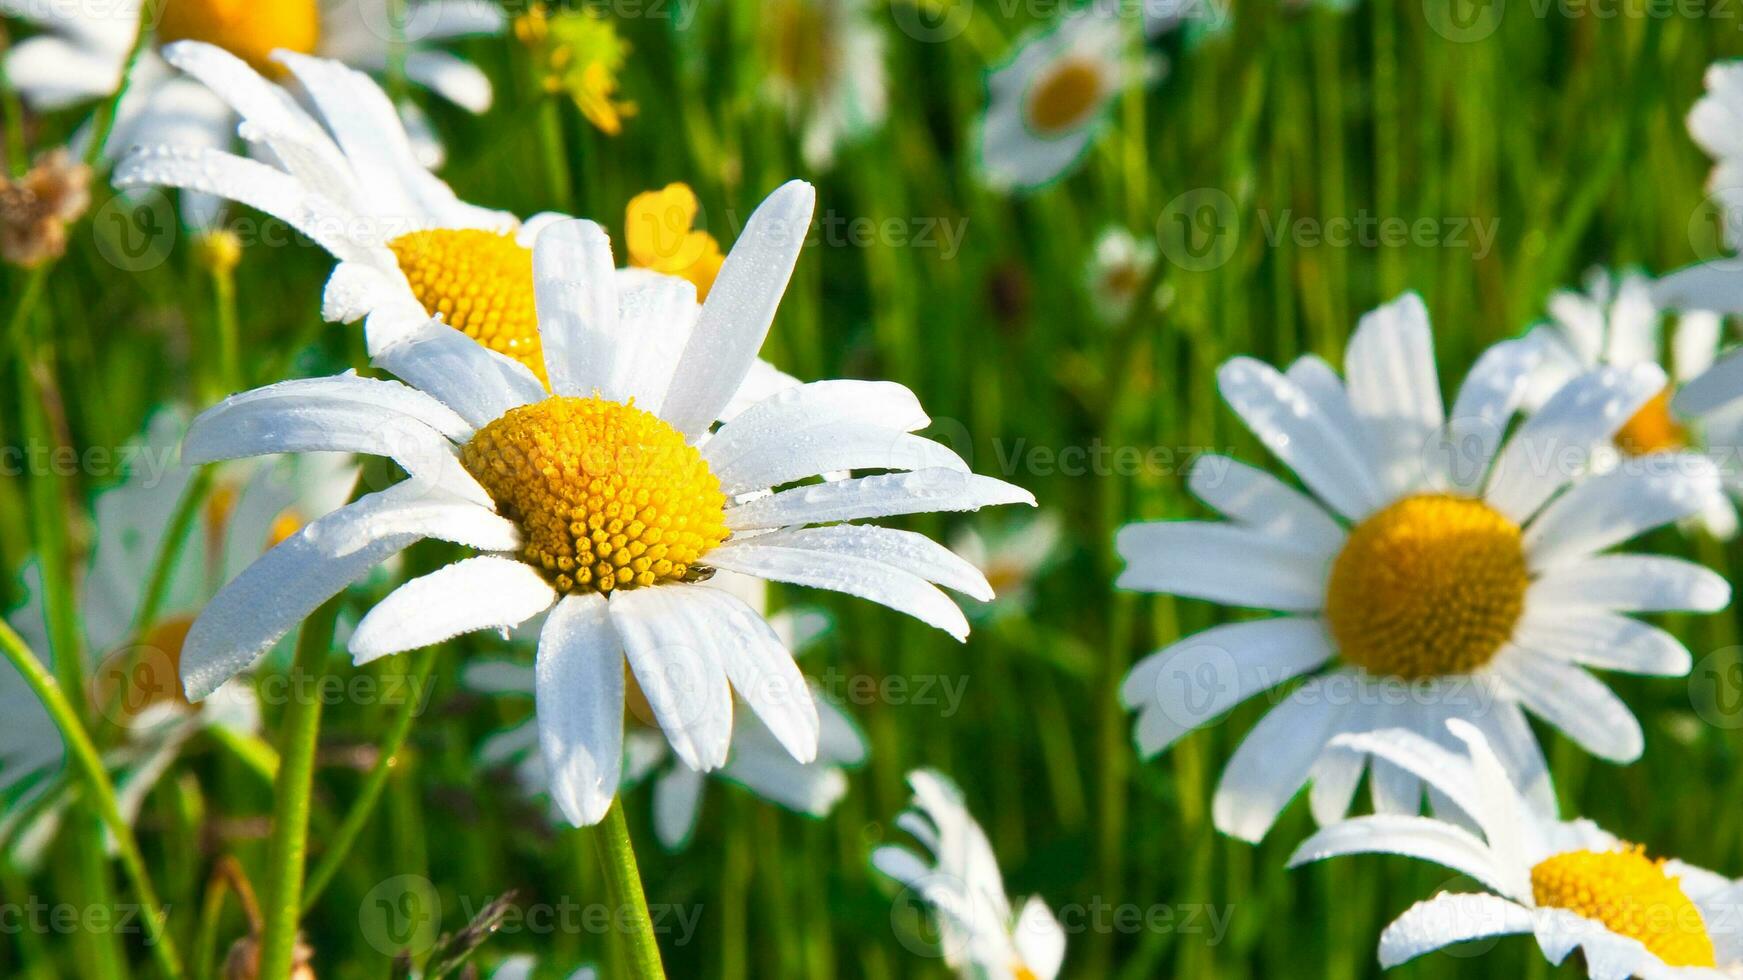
1559, 127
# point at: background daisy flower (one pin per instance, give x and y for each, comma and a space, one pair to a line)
757, 760
84, 48
1616, 322
1049, 100
1569, 884
1118, 270
958, 879
134, 687
608, 509
1436, 570
825, 71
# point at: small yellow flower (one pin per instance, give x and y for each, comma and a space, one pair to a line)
579, 52
660, 232
218, 251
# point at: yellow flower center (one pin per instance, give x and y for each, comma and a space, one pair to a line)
1064, 98
249, 29
1632, 896
607, 496
660, 234
1429, 586
480, 282
1653, 429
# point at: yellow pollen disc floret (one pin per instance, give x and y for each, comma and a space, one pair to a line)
607, 496
249, 29
1431, 585
1062, 99
480, 282
1653, 429
1632, 896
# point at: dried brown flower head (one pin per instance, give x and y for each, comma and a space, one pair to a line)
35, 209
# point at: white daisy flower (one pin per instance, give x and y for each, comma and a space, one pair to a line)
1012, 555
522, 966
1615, 322
408, 248
607, 501
1049, 101
1716, 124
133, 679
826, 71
757, 761
84, 48
1568, 884
1435, 571
959, 881
1117, 271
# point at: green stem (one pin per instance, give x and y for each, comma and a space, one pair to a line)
224, 301
623, 883
103, 123
364, 806
100, 791
17, 154
556, 152
290, 818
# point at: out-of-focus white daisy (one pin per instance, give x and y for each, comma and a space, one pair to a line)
1119, 268
1049, 101
133, 678
756, 761
959, 880
608, 500
1716, 124
1436, 571
84, 48
521, 967
1568, 884
826, 71
1615, 322
1011, 555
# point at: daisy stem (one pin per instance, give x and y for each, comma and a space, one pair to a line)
361, 809
623, 882
224, 312
556, 154
103, 123
17, 154
289, 843
101, 793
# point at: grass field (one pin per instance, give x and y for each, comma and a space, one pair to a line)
1297, 166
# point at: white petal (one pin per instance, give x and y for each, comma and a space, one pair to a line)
673, 645
1195, 679
827, 448
1419, 837
274, 594
677, 804
52, 72
580, 696
763, 673
764, 380
1720, 386
893, 587
1606, 510
1696, 344
1574, 701
1510, 735
1221, 563
470, 595
1040, 939
452, 78
906, 551
1272, 763
1491, 393
357, 289
477, 383
926, 491
656, 315
209, 171
575, 286
1556, 445
1447, 919
1259, 500
1282, 415
772, 420
1602, 640
497, 677
1632, 583
364, 396
740, 307
1713, 286
1395, 391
